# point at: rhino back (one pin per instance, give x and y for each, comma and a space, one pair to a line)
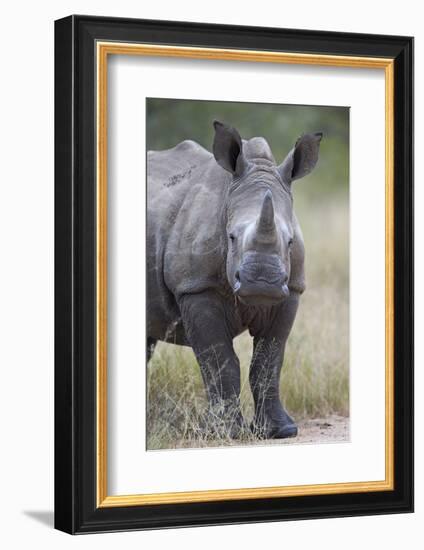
168, 170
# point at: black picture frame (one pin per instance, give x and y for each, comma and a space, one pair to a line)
76, 508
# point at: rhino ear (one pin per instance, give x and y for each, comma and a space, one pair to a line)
228, 148
302, 158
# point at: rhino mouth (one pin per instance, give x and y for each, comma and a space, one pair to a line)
262, 293
254, 288
259, 301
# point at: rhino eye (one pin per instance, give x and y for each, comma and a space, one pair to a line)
290, 243
232, 236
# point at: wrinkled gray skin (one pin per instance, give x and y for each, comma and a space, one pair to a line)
225, 253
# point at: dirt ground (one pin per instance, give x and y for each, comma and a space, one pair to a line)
333, 429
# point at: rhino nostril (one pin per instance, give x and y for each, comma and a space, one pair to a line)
237, 284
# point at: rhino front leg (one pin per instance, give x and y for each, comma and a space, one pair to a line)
270, 419
205, 324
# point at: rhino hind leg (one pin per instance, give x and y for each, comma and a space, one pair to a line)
150, 348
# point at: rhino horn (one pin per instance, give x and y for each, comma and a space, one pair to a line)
266, 223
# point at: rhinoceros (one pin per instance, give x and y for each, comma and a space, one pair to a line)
225, 254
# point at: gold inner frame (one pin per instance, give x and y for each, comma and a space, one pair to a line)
103, 50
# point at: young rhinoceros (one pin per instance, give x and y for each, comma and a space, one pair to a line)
225, 254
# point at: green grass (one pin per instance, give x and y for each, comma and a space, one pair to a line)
315, 375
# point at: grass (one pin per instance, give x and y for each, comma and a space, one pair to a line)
315, 375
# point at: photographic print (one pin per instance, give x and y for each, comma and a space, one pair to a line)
247, 274
234, 274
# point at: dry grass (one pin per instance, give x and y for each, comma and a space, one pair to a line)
315, 375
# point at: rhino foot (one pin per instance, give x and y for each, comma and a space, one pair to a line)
272, 429
225, 421
224, 430
283, 432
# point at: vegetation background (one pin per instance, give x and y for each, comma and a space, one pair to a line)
315, 375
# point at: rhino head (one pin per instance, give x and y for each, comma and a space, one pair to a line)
260, 230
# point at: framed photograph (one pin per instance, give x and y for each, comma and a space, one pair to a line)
234, 274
